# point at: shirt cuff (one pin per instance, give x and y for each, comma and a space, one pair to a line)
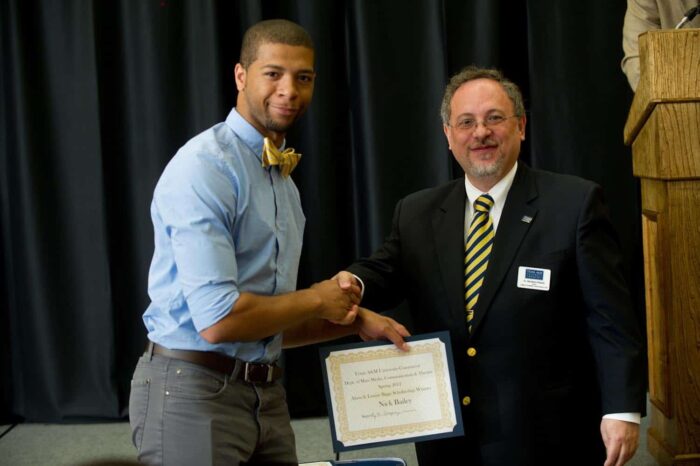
362, 286
629, 417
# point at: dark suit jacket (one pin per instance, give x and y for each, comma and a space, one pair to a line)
548, 364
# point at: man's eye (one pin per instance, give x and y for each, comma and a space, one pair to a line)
305, 78
272, 74
495, 119
466, 123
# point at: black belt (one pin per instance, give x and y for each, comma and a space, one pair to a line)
246, 371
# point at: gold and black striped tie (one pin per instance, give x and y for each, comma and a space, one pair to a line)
477, 248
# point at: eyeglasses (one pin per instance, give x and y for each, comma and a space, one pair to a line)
491, 121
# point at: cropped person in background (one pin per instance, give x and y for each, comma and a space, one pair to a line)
645, 15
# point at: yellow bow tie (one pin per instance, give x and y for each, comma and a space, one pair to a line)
285, 160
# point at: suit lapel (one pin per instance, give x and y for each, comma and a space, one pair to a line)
448, 229
509, 236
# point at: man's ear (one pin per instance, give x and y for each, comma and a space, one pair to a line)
446, 130
239, 74
521, 126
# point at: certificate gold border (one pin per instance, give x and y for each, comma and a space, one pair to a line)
446, 422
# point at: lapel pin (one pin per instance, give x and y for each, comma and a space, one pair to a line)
526, 219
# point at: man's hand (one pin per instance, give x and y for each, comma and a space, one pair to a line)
338, 304
621, 439
345, 279
372, 326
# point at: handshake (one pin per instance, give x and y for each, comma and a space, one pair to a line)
339, 304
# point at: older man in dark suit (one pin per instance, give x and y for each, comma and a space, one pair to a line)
523, 268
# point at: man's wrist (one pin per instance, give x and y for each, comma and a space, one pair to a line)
362, 285
635, 418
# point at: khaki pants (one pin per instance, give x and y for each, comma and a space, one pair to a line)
185, 414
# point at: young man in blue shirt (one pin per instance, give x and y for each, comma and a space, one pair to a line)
228, 234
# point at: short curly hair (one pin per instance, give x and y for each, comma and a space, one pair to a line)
471, 73
275, 31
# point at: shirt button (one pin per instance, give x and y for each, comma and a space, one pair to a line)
471, 352
466, 400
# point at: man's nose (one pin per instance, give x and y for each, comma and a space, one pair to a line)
481, 130
287, 86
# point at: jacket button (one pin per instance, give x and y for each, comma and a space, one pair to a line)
466, 400
471, 352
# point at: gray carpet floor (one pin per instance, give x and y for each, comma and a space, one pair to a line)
82, 444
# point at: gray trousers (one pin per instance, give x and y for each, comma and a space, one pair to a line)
185, 414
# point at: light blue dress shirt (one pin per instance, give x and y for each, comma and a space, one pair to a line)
223, 225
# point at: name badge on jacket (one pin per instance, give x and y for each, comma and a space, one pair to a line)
533, 278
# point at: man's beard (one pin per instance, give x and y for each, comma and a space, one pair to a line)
276, 126
480, 170
272, 125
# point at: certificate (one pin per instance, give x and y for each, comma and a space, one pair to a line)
379, 395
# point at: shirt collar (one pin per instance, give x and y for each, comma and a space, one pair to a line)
247, 132
498, 192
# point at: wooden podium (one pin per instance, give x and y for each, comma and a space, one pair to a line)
663, 128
